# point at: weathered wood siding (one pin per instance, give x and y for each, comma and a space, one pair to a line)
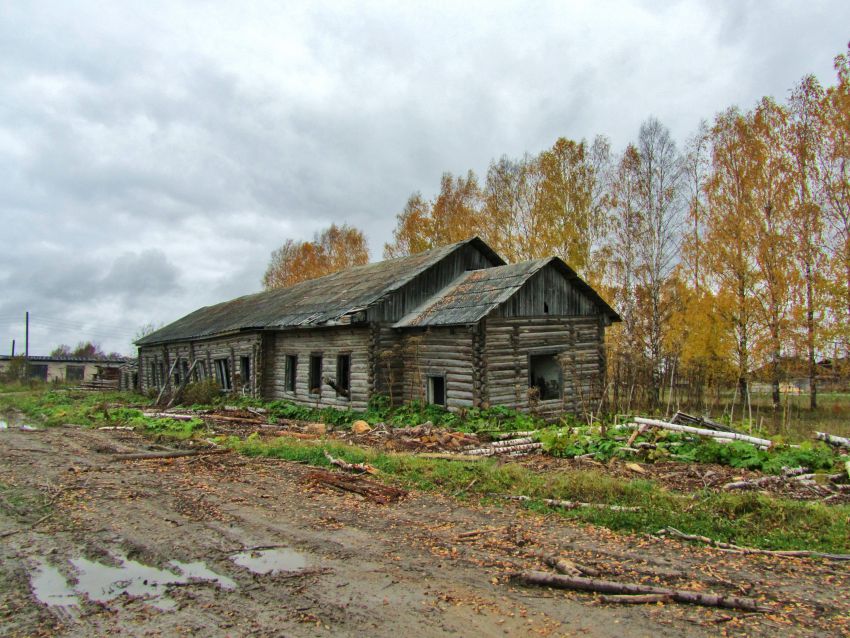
397, 304
547, 292
444, 352
232, 348
508, 342
329, 342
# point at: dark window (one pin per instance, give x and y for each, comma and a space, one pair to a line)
222, 373
245, 369
291, 370
437, 390
315, 378
38, 371
185, 364
343, 375
74, 373
544, 373
545, 308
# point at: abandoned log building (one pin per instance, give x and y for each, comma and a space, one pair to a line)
454, 326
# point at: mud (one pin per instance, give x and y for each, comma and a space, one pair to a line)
170, 540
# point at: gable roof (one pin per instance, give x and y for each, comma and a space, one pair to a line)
310, 303
475, 294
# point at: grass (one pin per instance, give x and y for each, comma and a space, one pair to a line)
745, 518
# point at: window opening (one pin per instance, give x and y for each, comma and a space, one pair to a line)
544, 373
245, 369
74, 373
343, 375
315, 379
545, 308
291, 367
437, 390
222, 373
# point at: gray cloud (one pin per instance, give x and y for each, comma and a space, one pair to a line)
153, 157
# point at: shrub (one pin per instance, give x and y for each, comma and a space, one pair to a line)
201, 392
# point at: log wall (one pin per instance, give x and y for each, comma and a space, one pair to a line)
508, 342
206, 351
329, 342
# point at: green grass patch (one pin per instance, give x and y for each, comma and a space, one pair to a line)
747, 519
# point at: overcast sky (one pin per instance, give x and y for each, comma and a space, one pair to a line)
151, 158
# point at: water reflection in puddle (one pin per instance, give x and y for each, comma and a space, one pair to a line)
50, 587
270, 561
103, 583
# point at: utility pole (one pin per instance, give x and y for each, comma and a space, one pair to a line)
27, 342
13, 348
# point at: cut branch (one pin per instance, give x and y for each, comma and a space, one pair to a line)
733, 436
672, 531
578, 583
144, 456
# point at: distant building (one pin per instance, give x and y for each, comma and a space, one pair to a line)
68, 369
454, 326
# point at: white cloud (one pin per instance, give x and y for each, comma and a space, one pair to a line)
153, 156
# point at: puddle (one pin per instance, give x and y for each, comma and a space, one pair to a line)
102, 583
51, 588
271, 561
199, 571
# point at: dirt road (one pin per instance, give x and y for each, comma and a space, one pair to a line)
230, 546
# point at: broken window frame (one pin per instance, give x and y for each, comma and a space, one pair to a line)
314, 376
432, 381
343, 375
290, 373
545, 394
79, 373
222, 373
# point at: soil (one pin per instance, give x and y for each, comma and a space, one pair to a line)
344, 565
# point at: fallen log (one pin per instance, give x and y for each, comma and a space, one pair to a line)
449, 456
177, 416
145, 456
837, 441
501, 436
375, 492
732, 436
578, 583
571, 505
570, 568
792, 553
351, 467
505, 449
637, 599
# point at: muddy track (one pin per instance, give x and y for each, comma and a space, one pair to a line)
346, 566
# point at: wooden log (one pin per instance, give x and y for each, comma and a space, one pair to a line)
672, 531
183, 383
571, 505
351, 467
371, 490
145, 456
507, 449
177, 416
837, 441
733, 436
636, 599
570, 568
578, 583
166, 382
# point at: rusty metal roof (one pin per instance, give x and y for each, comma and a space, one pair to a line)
475, 294
322, 301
